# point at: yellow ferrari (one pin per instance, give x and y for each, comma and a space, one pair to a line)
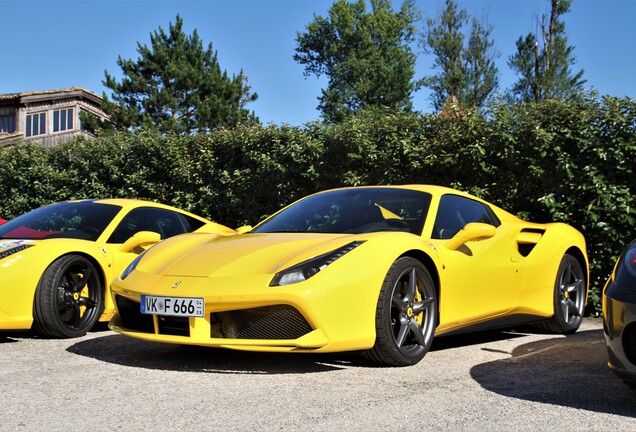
57, 262
379, 269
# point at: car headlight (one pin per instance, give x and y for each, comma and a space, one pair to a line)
14, 250
306, 269
129, 269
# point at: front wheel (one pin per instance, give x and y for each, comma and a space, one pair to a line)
69, 298
570, 290
406, 314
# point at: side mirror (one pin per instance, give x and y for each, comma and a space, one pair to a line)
471, 232
243, 229
142, 238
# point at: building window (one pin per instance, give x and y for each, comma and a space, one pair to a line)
35, 124
62, 119
7, 123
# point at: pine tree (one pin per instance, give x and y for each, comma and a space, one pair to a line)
466, 70
366, 56
177, 86
481, 73
544, 65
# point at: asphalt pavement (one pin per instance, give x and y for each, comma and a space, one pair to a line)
507, 380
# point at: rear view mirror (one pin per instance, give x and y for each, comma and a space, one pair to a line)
142, 238
471, 232
243, 229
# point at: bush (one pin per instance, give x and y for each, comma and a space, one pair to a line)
552, 161
572, 162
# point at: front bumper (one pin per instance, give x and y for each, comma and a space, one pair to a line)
17, 291
323, 314
619, 325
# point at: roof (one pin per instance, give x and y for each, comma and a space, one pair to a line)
34, 96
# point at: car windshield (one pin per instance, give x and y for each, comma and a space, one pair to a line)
353, 211
80, 220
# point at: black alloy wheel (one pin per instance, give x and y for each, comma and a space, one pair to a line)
69, 298
406, 314
570, 291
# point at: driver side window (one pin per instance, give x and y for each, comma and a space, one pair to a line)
164, 222
455, 212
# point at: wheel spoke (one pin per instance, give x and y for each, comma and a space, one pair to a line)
569, 275
398, 301
81, 283
76, 315
403, 331
409, 326
569, 309
411, 287
88, 302
65, 306
422, 306
415, 328
576, 286
71, 280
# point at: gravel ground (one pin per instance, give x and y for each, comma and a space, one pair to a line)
514, 380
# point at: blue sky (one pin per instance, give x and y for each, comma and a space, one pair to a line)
58, 44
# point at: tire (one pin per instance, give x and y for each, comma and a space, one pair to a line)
570, 289
406, 315
69, 298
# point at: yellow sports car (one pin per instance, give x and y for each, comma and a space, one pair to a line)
380, 269
57, 262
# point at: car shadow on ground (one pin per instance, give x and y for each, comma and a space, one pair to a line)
126, 351
13, 336
131, 352
570, 371
477, 338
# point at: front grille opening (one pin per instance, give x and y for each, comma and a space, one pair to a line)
269, 322
175, 326
131, 317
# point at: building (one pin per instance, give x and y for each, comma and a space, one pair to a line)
48, 117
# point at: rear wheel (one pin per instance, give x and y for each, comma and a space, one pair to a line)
570, 289
406, 314
69, 298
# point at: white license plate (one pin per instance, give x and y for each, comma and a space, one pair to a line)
173, 306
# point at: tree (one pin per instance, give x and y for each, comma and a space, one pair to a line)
365, 55
466, 71
177, 86
481, 73
544, 64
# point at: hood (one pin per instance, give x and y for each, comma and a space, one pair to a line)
253, 254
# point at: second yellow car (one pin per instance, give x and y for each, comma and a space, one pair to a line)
57, 262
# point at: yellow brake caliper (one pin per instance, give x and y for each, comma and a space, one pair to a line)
419, 318
83, 293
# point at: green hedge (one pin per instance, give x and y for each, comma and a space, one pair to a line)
554, 161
